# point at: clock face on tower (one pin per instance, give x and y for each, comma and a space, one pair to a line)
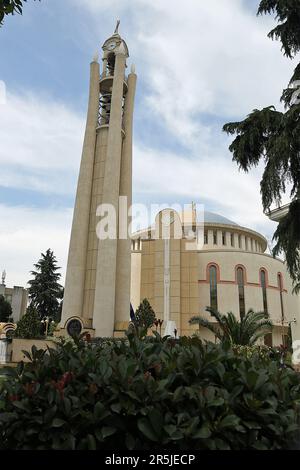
111, 46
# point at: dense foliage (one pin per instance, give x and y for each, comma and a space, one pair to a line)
148, 394
274, 137
229, 330
5, 310
144, 316
45, 292
29, 326
10, 7
288, 239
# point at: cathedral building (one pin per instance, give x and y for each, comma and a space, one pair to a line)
229, 271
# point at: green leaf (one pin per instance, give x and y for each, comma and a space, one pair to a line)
67, 405
229, 421
156, 420
145, 427
108, 431
203, 433
222, 445
21, 406
170, 429
50, 413
103, 367
92, 445
58, 423
116, 407
217, 402
133, 395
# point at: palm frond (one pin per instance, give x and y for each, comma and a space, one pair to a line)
204, 323
230, 330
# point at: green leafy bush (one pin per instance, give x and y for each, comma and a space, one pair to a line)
262, 352
148, 394
29, 326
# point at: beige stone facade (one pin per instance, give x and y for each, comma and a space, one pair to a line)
18, 298
19, 345
176, 278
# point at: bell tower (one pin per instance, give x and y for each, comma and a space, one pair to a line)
97, 287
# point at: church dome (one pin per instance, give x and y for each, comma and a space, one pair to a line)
212, 218
219, 232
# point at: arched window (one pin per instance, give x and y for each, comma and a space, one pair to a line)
241, 287
280, 286
213, 282
263, 283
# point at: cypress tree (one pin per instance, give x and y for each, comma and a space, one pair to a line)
45, 292
29, 326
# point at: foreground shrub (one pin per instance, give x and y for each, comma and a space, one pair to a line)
148, 394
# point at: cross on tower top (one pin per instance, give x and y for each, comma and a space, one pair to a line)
117, 27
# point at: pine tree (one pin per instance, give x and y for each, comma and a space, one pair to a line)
145, 315
29, 326
5, 310
274, 137
45, 292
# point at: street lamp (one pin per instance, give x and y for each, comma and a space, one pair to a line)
47, 321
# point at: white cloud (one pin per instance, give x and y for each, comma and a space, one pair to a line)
202, 179
27, 232
204, 57
41, 143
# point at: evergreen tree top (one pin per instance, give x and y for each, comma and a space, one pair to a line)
287, 13
45, 292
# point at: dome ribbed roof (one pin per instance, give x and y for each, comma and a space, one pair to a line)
212, 218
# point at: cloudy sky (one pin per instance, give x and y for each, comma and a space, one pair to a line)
199, 64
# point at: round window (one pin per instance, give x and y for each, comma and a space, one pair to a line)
74, 327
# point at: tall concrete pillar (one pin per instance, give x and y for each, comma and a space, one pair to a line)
104, 306
75, 276
97, 288
123, 280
